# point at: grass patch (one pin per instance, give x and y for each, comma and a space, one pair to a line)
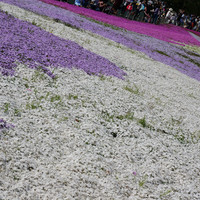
102, 77
102, 23
131, 90
143, 181
191, 60
34, 23
128, 116
193, 54
194, 49
143, 122
192, 95
63, 119
194, 62
111, 118
162, 53
55, 98
33, 105
66, 24
184, 56
165, 193
71, 96
38, 74
17, 112
6, 107
107, 117
181, 138
123, 67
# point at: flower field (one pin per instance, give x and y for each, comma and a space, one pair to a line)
93, 106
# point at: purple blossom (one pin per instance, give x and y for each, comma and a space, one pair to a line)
134, 173
23, 42
183, 60
5, 125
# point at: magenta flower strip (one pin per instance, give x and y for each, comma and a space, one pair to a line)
183, 60
23, 42
167, 33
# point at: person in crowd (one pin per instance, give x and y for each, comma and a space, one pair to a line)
85, 3
193, 21
179, 16
188, 22
134, 7
137, 10
174, 18
162, 13
182, 19
123, 7
116, 6
129, 9
147, 10
156, 14
141, 11
108, 7
102, 5
78, 2
169, 15
198, 24
94, 5
152, 12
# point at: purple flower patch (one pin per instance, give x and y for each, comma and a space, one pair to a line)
181, 59
5, 125
23, 42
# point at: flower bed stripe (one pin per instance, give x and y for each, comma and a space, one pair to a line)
23, 42
167, 33
181, 59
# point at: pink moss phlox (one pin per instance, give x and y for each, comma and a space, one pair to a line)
168, 33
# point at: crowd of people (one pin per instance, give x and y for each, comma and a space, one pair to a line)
148, 11
151, 11
181, 19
